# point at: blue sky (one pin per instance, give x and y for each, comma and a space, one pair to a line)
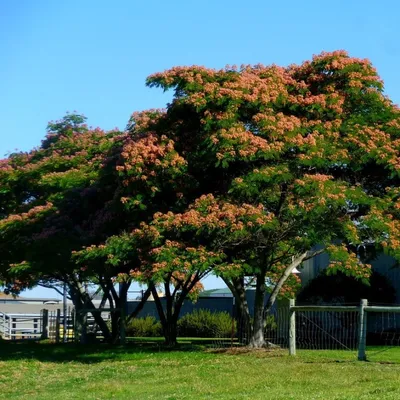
93, 56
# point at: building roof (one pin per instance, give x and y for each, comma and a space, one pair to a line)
224, 292
21, 308
7, 299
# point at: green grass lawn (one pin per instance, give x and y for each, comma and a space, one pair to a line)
45, 371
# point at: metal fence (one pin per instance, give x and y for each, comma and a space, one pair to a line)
20, 326
362, 329
343, 327
359, 328
45, 325
60, 329
48, 324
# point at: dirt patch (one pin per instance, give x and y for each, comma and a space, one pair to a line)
267, 351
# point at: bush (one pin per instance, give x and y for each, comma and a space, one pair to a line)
270, 324
144, 327
206, 324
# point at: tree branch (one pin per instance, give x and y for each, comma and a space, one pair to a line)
47, 286
295, 263
140, 306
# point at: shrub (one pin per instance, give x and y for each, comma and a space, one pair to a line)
270, 324
207, 324
144, 327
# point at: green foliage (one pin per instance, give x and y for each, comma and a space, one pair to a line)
207, 324
270, 324
144, 327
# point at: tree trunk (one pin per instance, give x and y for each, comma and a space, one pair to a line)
79, 332
117, 316
95, 326
243, 320
169, 316
257, 339
174, 301
82, 300
244, 325
170, 331
100, 321
160, 311
79, 323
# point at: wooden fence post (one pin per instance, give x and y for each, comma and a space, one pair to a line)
292, 328
362, 330
58, 316
45, 324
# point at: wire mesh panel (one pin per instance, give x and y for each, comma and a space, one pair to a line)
382, 333
327, 330
323, 329
277, 327
383, 329
275, 330
243, 330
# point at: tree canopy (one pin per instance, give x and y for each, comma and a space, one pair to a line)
244, 173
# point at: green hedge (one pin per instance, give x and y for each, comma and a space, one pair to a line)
144, 327
199, 323
206, 324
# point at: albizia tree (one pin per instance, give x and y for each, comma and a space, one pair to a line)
55, 199
270, 162
245, 172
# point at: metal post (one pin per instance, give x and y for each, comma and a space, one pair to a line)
11, 326
233, 320
362, 331
292, 328
65, 313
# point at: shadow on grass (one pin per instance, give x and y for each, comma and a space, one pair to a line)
96, 353
87, 354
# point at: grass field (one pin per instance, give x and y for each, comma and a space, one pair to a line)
45, 371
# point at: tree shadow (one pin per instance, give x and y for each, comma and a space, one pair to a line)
86, 354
